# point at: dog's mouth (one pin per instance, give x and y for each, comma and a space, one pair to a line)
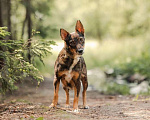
80, 51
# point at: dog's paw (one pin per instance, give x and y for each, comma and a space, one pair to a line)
67, 106
85, 107
52, 105
76, 110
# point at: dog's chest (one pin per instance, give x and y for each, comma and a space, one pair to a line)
69, 74
75, 61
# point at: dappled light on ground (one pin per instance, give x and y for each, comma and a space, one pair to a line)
34, 103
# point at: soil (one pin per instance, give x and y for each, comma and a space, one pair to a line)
32, 103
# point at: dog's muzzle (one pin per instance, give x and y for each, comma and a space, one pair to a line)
80, 51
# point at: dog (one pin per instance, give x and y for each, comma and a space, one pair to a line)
70, 67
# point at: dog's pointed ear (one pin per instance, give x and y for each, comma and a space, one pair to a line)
64, 34
79, 27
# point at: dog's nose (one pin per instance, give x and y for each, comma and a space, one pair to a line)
80, 51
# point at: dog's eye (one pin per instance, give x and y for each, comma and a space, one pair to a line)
72, 42
81, 41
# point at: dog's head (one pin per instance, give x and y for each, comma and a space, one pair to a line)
74, 41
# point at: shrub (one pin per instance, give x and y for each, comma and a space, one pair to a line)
140, 65
14, 64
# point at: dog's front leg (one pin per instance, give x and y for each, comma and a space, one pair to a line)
67, 97
56, 89
76, 95
85, 85
66, 91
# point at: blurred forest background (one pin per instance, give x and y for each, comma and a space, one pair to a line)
117, 51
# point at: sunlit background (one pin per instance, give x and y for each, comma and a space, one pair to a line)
117, 51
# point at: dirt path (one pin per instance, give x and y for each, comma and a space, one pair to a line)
31, 103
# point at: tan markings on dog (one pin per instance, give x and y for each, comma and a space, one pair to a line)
62, 57
76, 75
68, 73
68, 76
75, 61
75, 102
65, 84
55, 99
73, 51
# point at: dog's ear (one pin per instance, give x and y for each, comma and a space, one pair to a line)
79, 27
64, 34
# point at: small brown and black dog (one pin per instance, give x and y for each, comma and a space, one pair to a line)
70, 67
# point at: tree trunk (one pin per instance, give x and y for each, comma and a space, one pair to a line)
1, 25
23, 26
28, 12
1, 16
9, 17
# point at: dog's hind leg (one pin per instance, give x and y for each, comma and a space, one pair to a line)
56, 89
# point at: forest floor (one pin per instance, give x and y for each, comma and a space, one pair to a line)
32, 103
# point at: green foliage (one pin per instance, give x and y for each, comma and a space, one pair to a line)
103, 19
32, 117
41, 16
115, 88
3, 32
40, 48
15, 66
40, 118
139, 65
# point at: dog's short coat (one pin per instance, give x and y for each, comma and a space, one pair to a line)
70, 66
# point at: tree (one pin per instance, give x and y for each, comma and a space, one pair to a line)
27, 19
9, 17
1, 16
28, 15
1, 24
